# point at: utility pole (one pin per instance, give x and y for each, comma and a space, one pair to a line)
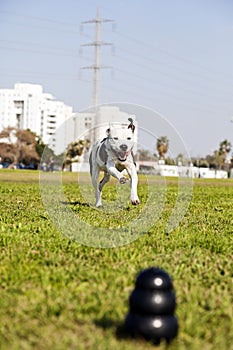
96, 67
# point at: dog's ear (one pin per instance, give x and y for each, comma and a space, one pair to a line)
131, 125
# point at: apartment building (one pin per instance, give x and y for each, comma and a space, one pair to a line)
26, 106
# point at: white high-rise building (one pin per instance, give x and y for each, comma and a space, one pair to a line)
28, 107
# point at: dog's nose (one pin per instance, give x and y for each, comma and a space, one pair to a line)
123, 147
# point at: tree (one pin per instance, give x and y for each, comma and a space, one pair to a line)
145, 155
218, 159
224, 148
170, 161
40, 146
162, 146
7, 153
18, 146
75, 150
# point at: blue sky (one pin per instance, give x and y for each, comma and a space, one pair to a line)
172, 56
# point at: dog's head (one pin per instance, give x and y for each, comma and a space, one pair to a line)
121, 139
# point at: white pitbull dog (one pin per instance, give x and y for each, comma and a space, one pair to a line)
112, 155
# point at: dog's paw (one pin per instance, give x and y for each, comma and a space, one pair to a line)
123, 180
135, 201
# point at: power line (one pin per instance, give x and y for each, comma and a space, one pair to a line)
45, 75
128, 37
196, 92
165, 52
41, 19
67, 27
61, 52
179, 101
145, 58
36, 51
193, 91
181, 68
192, 86
38, 47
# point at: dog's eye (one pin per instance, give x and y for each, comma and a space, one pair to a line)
115, 138
128, 138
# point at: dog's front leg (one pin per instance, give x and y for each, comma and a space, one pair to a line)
114, 172
131, 169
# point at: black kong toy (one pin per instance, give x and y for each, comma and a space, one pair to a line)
152, 305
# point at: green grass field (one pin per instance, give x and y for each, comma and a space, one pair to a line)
57, 294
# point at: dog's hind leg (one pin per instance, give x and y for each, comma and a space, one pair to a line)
95, 178
98, 191
104, 180
95, 171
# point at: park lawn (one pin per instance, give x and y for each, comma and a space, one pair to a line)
58, 294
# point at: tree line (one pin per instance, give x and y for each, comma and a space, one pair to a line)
23, 148
26, 148
219, 159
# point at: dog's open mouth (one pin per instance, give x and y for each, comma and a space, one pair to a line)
122, 156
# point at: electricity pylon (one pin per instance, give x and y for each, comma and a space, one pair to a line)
97, 43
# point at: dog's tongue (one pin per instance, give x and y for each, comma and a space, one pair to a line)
123, 155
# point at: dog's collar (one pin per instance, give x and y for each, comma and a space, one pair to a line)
106, 138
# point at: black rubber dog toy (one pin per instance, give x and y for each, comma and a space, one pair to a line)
152, 306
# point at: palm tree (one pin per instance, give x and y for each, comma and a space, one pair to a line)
162, 146
224, 149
